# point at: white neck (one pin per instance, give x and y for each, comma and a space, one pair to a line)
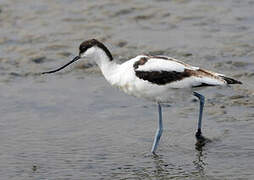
108, 67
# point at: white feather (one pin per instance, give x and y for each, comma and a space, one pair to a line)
159, 64
155, 64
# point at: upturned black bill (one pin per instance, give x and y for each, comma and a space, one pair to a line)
53, 71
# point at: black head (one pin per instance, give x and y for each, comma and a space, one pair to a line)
91, 43
84, 46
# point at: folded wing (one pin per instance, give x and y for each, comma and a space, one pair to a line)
161, 70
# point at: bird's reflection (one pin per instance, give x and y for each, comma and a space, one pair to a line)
164, 169
199, 161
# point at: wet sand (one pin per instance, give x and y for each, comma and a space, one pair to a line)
73, 125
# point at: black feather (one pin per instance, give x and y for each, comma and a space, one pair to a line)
230, 80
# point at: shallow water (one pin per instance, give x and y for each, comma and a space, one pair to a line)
73, 125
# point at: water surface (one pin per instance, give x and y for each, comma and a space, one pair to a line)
73, 125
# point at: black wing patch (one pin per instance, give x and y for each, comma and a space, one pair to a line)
162, 77
159, 77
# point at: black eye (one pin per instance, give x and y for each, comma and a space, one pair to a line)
83, 48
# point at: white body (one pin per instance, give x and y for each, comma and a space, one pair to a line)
124, 76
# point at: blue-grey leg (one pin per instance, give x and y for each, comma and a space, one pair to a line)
158, 132
202, 101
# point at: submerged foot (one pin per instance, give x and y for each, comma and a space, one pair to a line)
154, 154
201, 140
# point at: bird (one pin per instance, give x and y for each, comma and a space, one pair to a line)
155, 78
